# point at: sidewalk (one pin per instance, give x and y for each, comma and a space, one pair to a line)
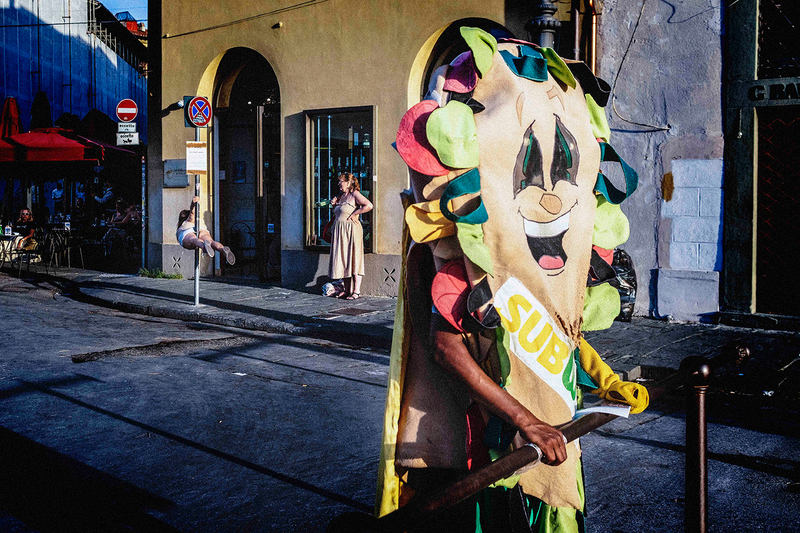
366, 322
641, 349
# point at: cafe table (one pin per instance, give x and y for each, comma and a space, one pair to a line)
6, 247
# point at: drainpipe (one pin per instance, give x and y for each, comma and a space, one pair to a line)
261, 200
576, 25
543, 27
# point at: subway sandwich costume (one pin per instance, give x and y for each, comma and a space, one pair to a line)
509, 235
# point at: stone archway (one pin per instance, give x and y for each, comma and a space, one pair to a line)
440, 49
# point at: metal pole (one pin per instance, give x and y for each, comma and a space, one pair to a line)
697, 373
143, 215
425, 506
197, 230
576, 24
543, 27
261, 210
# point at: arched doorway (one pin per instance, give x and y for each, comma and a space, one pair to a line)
247, 149
449, 44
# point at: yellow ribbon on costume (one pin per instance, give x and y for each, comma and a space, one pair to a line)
427, 223
389, 493
610, 386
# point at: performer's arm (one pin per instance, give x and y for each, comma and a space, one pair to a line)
452, 355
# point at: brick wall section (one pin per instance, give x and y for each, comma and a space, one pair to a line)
696, 213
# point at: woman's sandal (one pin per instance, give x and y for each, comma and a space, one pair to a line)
354, 296
229, 257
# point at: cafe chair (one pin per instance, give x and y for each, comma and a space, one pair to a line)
61, 246
35, 254
242, 242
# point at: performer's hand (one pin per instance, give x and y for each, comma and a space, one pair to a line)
633, 394
609, 385
196, 200
550, 440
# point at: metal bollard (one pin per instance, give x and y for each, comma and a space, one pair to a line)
697, 373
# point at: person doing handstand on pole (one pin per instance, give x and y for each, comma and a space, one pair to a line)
193, 241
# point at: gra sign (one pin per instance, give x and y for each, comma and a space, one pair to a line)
127, 110
774, 91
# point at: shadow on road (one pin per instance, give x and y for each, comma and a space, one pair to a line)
52, 492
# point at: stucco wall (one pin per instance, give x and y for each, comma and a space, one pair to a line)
667, 64
334, 53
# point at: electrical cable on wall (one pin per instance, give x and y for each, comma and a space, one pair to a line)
247, 19
616, 77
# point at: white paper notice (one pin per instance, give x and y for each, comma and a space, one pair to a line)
607, 408
196, 157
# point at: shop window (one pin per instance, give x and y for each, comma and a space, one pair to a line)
340, 140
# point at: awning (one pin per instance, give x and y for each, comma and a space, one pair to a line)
53, 145
110, 151
6, 151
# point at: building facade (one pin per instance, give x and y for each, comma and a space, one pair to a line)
706, 106
302, 92
77, 53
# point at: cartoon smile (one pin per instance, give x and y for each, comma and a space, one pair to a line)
545, 241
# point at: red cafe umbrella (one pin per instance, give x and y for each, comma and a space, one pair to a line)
10, 122
6, 151
53, 145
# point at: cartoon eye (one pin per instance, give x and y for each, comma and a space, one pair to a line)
528, 169
565, 155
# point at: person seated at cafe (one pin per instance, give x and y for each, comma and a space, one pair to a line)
105, 198
123, 220
121, 209
202, 240
126, 217
25, 227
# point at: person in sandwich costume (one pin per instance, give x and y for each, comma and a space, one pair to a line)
507, 222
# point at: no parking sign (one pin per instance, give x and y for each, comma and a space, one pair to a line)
196, 111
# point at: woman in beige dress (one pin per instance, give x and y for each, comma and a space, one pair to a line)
347, 237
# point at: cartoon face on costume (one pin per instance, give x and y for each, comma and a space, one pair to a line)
538, 166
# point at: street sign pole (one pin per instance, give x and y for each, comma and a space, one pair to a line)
197, 230
197, 114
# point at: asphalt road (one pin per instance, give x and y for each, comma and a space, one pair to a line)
116, 422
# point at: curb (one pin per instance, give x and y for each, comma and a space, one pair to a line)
341, 333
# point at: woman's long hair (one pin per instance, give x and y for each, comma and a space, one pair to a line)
184, 216
351, 180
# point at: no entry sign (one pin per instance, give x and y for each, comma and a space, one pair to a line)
127, 110
198, 112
